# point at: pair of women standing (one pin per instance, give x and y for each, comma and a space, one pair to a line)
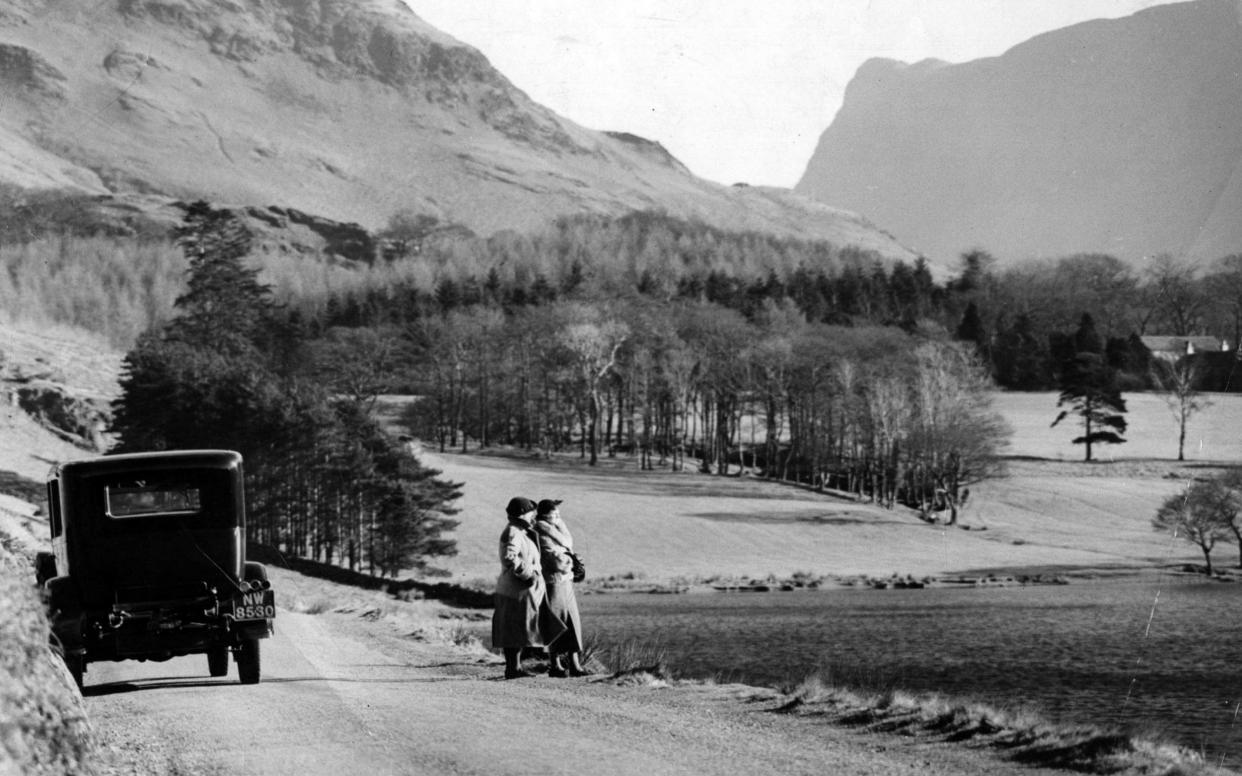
535, 601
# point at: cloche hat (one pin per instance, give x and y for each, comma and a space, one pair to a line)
519, 506
547, 505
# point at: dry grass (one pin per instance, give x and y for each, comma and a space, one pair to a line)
43, 725
415, 618
1019, 733
631, 656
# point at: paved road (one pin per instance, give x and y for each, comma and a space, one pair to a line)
325, 705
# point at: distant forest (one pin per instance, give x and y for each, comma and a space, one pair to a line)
65, 266
667, 340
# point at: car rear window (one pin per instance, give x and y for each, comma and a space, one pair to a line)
140, 498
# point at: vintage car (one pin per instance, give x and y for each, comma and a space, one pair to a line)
148, 562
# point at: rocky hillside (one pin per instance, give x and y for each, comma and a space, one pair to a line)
56, 390
1121, 136
350, 110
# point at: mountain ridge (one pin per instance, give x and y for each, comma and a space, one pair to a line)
353, 111
1116, 136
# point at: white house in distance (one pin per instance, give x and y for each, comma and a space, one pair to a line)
1174, 348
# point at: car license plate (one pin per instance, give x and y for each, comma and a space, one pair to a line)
256, 605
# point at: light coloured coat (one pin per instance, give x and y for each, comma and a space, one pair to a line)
519, 566
557, 545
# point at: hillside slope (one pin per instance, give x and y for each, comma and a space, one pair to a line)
349, 109
1121, 136
47, 376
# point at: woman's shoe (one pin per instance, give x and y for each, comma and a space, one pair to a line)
557, 673
517, 673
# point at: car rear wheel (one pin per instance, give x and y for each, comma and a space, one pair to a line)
45, 567
248, 661
218, 661
77, 668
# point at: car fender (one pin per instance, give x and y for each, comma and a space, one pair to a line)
254, 571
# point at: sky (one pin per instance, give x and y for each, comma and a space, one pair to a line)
738, 90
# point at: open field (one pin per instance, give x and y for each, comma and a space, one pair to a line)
1052, 514
1213, 435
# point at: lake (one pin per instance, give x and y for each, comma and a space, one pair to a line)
1158, 658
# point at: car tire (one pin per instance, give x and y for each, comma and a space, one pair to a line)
77, 668
45, 567
218, 661
248, 661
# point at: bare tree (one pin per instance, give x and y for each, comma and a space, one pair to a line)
591, 344
1176, 298
678, 367
890, 409
358, 362
1231, 481
770, 366
957, 437
1178, 384
1202, 515
439, 348
1098, 282
1226, 285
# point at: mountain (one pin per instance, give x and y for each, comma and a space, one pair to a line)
1117, 136
350, 110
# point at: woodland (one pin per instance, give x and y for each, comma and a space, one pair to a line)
663, 342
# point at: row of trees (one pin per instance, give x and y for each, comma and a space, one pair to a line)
116, 288
1017, 316
887, 415
324, 481
1014, 316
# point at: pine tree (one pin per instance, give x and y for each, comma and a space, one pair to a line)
223, 375
1090, 390
971, 330
225, 307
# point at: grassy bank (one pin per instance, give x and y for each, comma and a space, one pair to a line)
1017, 734
43, 724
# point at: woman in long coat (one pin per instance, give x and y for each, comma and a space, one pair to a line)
520, 619
556, 546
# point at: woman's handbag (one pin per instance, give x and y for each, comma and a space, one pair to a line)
579, 567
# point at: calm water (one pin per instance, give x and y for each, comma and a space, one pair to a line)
1083, 652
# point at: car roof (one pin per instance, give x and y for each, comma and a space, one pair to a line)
153, 461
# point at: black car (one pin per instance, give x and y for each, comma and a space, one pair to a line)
148, 562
